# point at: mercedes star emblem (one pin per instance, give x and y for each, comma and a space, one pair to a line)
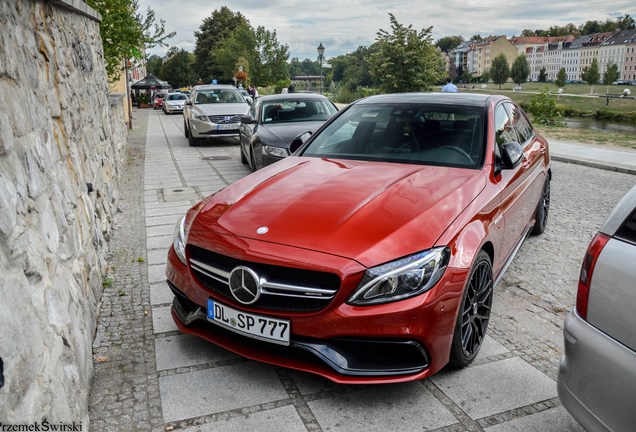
245, 285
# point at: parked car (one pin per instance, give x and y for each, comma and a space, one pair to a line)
157, 101
213, 110
370, 254
273, 122
597, 373
246, 95
174, 102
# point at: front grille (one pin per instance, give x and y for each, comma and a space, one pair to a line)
285, 288
227, 118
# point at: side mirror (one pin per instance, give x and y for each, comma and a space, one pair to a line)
247, 120
298, 141
511, 154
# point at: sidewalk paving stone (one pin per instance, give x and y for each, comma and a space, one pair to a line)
215, 390
183, 350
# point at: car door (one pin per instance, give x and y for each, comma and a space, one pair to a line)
515, 184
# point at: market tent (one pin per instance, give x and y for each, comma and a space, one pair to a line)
149, 82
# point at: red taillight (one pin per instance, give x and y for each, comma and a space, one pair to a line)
587, 268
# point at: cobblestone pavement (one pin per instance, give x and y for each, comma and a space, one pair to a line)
149, 376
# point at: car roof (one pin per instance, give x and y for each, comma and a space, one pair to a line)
291, 96
463, 99
214, 86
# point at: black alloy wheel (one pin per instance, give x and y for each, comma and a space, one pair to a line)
474, 313
186, 132
543, 210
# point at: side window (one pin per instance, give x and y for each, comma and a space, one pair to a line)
520, 122
504, 129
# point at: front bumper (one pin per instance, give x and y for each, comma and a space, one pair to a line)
173, 109
597, 378
203, 129
393, 342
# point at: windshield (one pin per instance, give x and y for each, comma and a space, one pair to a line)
218, 96
404, 133
177, 96
297, 110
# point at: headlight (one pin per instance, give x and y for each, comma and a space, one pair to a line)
179, 239
401, 279
201, 117
275, 151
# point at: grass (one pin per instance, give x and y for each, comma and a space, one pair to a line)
575, 100
589, 136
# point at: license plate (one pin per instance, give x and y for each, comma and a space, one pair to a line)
226, 126
248, 324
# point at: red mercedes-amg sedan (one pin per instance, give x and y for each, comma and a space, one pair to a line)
370, 254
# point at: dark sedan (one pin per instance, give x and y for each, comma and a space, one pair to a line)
275, 120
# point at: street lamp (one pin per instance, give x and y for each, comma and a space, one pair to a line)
321, 58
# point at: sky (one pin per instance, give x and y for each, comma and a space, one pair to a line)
344, 25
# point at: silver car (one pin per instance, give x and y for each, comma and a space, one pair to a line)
597, 372
213, 110
174, 102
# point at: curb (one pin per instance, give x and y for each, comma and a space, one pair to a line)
595, 164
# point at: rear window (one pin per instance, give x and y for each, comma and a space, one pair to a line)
627, 231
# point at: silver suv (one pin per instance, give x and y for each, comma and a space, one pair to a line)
213, 110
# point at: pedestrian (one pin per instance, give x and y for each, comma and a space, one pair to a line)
449, 87
291, 88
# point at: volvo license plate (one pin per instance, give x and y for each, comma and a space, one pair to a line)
252, 325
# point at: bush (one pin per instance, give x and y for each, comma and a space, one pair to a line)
544, 108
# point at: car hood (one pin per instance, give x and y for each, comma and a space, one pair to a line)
281, 135
367, 211
177, 102
221, 108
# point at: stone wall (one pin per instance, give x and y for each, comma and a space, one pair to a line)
59, 132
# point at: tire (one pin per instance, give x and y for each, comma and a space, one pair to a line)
543, 210
253, 161
186, 131
192, 140
474, 313
243, 158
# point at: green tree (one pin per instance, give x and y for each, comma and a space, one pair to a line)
449, 43
406, 60
561, 77
153, 64
214, 30
611, 74
266, 58
626, 22
500, 71
591, 74
520, 70
543, 76
125, 33
178, 69
154, 33
485, 76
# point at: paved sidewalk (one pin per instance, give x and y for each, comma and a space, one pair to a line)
594, 156
149, 376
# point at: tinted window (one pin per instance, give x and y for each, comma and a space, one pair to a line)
520, 122
404, 133
297, 110
504, 128
627, 231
